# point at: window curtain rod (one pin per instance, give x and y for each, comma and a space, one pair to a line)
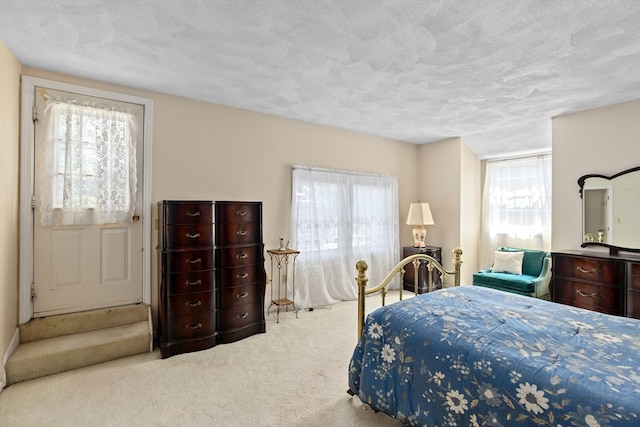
77, 100
343, 171
522, 156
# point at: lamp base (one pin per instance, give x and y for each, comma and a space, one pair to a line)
419, 234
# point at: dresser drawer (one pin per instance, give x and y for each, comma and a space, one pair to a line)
234, 233
188, 282
237, 256
234, 212
606, 299
189, 304
240, 295
187, 235
188, 260
239, 316
197, 212
591, 269
190, 326
243, 275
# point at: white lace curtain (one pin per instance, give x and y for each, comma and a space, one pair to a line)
517, 205
87, 164
338, 218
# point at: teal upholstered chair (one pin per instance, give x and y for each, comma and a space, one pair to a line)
534, 280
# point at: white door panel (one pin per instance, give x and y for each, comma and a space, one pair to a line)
116, 250
81, 267
65, 250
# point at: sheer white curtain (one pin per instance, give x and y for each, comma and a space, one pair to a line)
517, 205
338, 218
87, 162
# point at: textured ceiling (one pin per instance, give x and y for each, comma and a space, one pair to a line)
493, 72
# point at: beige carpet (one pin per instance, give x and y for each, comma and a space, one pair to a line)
294, 375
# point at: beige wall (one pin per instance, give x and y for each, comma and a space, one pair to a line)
449, 180
604, 141
213, 152
9, 224
470, 212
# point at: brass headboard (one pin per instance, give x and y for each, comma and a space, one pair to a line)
432, 263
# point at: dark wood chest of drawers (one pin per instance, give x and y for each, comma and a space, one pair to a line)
599, 282
211, 274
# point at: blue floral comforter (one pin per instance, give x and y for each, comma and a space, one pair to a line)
471, 356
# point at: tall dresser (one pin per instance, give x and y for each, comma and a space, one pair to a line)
597, 281
211, 273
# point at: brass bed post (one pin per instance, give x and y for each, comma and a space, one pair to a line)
362, 280
457, 262
416, 276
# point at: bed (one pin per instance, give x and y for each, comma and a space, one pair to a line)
471, 356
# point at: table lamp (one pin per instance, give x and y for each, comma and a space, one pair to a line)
419, 216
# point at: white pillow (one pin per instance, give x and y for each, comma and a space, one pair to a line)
507, 262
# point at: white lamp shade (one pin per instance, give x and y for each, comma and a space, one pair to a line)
419, 214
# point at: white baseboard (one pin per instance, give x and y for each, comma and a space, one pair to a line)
13, 344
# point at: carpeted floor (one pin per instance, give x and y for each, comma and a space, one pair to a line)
294, 375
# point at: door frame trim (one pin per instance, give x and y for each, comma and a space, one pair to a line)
27, 184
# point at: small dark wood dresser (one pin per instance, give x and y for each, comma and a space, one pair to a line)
423, 278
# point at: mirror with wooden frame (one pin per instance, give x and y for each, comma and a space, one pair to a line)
611, 210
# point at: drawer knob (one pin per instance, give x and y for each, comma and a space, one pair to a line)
197, 282
241, 212
192, 213
242, 256
583, 270
242, 316
192, 236
242, 276
582, 294
193, 261
241, 233
195, 326
244, 295
193, 304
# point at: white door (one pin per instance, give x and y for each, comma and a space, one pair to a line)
79, 267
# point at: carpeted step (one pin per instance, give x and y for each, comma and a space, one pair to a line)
72, 323
63, 353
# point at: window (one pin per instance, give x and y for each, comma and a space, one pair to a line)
88, 164
339, 217
517, 203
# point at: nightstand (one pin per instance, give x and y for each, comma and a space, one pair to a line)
423, 279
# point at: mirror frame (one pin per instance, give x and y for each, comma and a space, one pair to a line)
613, 249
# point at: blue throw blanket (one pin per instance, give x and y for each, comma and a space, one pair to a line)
470, 356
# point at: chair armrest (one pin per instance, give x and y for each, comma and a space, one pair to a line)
546, 268
541, 283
